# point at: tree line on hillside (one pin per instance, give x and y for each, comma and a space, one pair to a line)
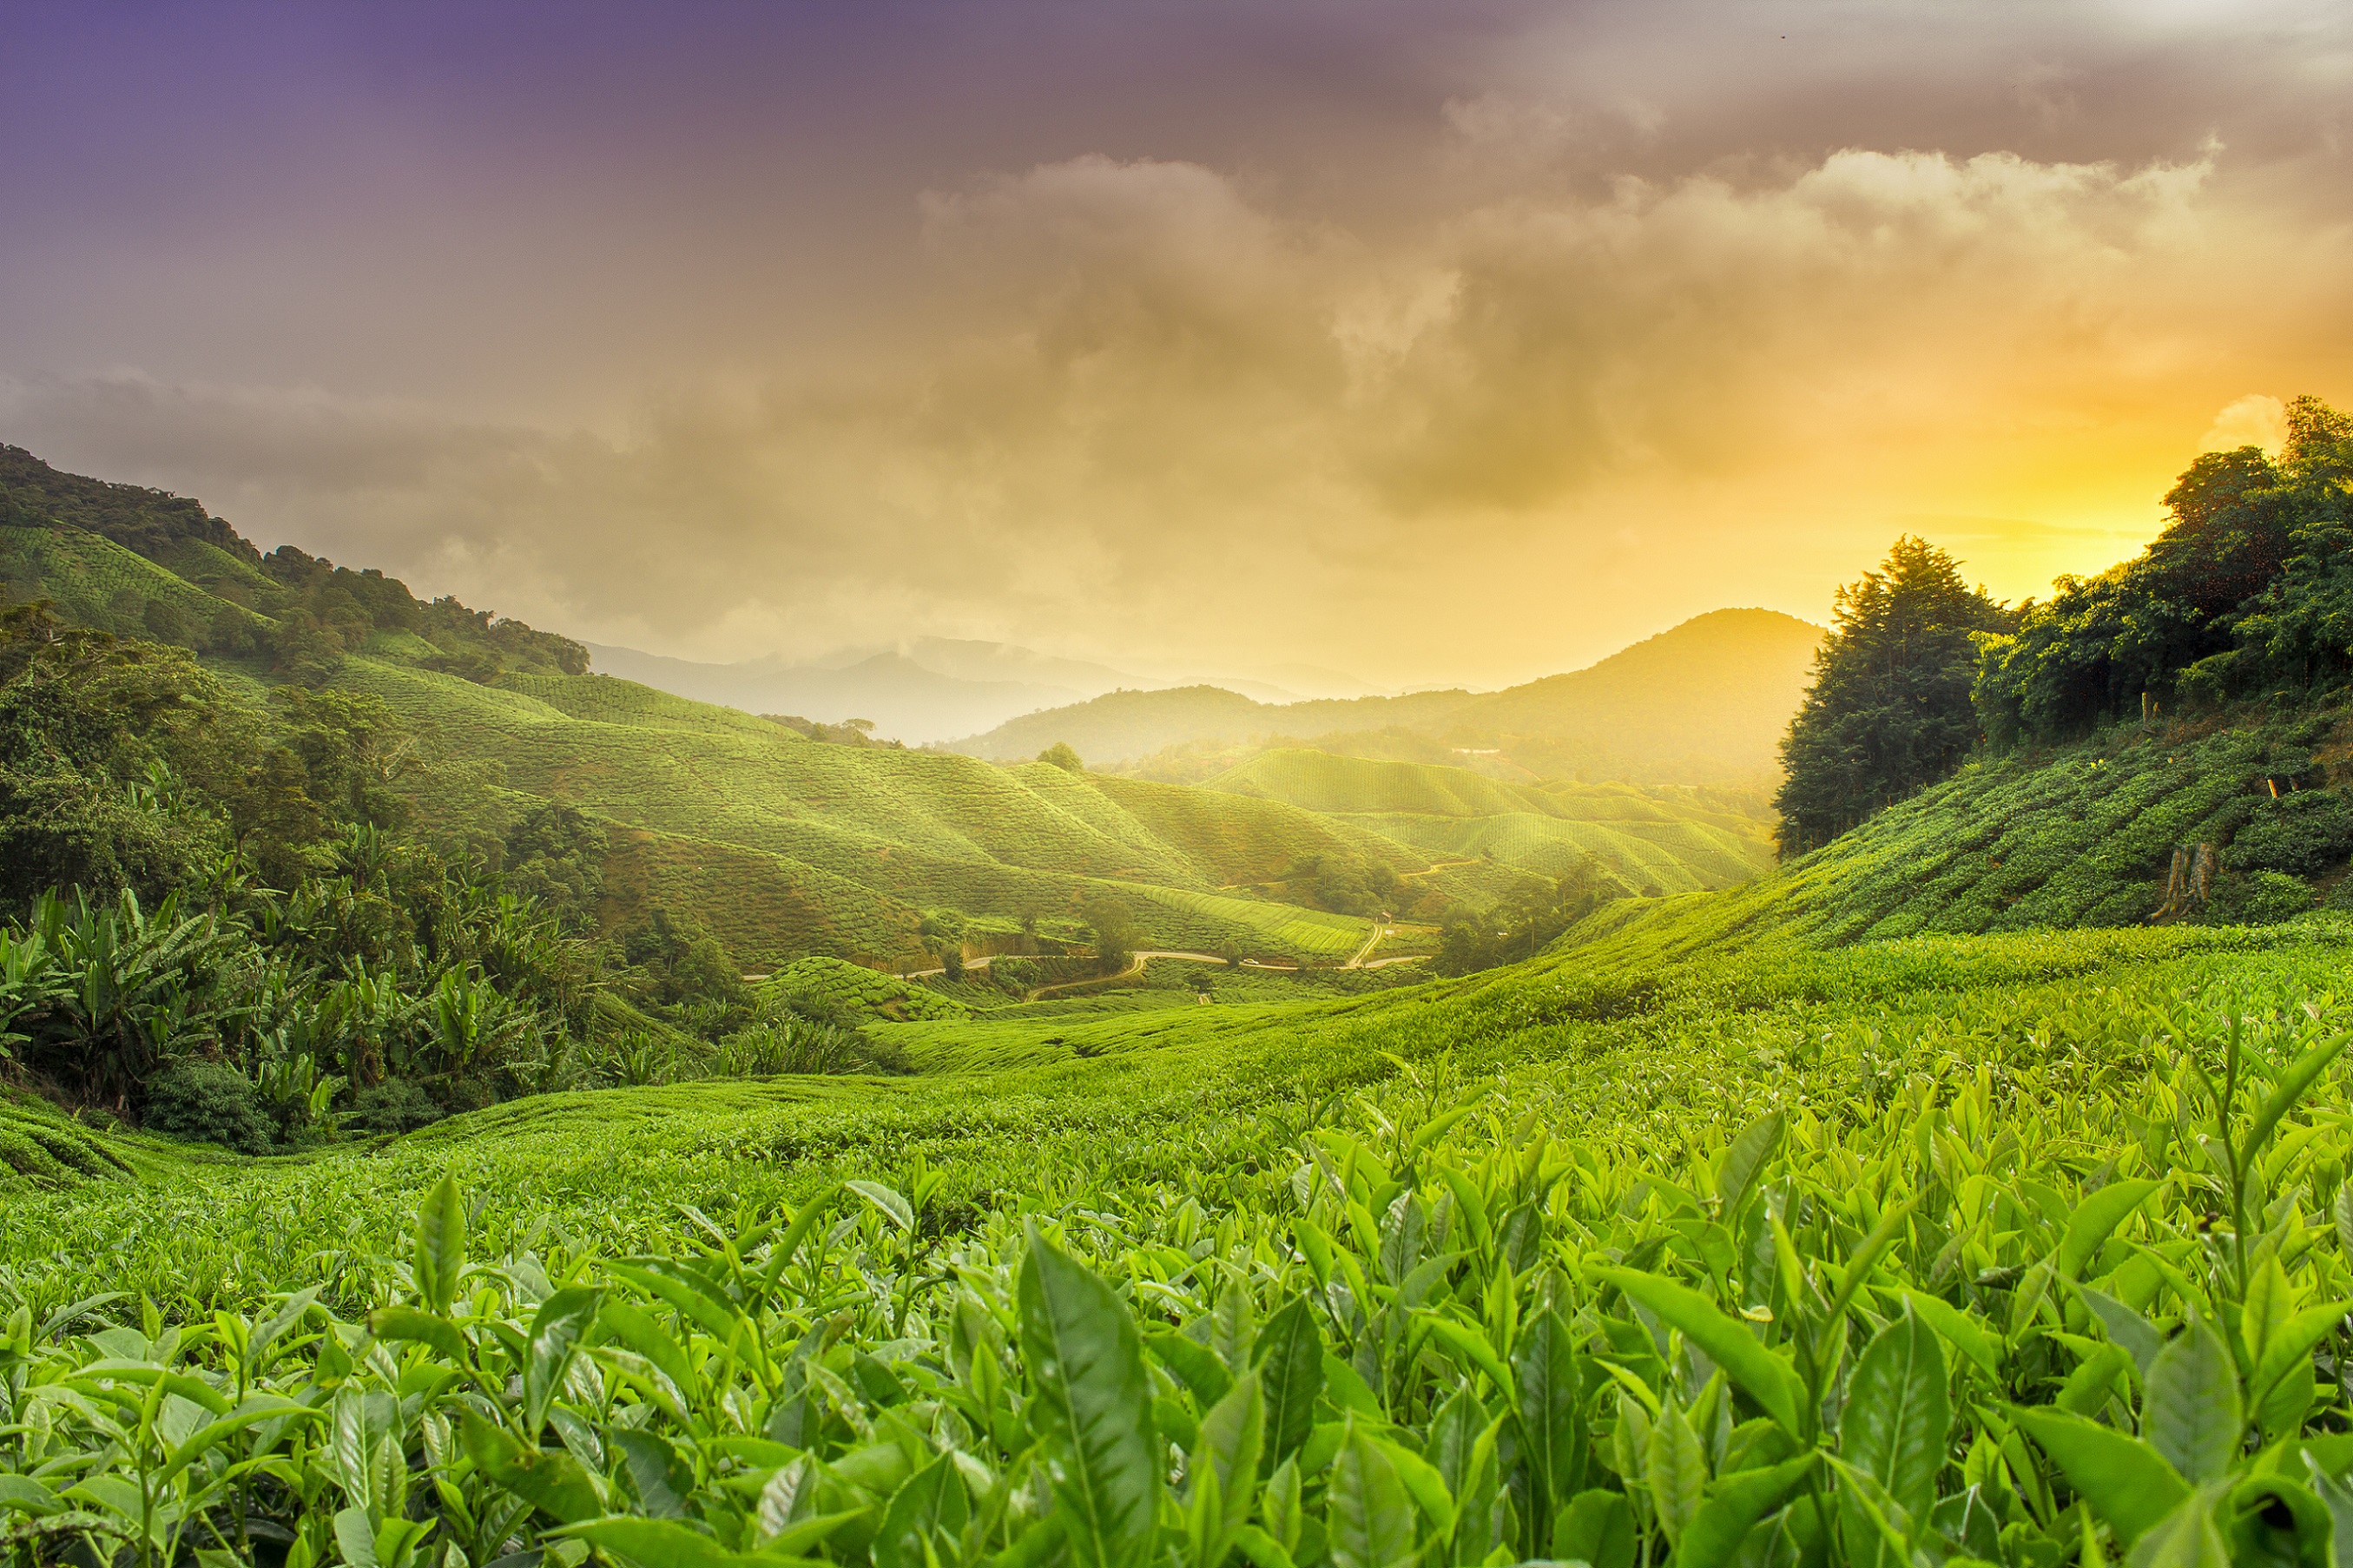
1530, 915
215, 918
294, 611
848, 732
2247, 593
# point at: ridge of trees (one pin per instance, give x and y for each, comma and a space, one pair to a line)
310, 611
2246, 593
2247, 590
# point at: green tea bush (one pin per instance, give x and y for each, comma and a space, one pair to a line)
395, 1106
2300, 833
2001, 1301
2259, 898
208, 1102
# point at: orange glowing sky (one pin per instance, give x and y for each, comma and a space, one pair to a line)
1435, 342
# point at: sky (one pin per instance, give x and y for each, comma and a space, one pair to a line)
1429, 343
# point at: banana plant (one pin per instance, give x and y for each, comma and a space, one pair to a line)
125, 988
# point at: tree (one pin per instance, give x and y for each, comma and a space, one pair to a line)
2248, 590
1114, 933
1062, 757
1889, 710
1532, 913
952, 960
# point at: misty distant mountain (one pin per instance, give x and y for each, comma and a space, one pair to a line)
907, 698
965, 659
926, 688
1702, 703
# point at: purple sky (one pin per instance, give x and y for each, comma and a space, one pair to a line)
731, 328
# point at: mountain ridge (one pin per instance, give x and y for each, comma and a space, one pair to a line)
1702, 702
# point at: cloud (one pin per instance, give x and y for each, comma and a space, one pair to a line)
2257, 419
1166, 410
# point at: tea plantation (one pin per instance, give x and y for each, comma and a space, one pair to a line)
1672, 1245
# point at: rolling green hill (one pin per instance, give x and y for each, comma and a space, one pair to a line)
784, 845
1702, 703
1656, 840
2085, 834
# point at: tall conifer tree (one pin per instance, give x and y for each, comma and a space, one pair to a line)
1889, 710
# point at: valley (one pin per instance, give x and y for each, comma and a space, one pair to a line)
1175, 786
656, 1114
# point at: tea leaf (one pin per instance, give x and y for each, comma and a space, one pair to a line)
424, 1328
440, 1252
1371, 1513
1290, 1354
1897, 1417
2096, 1219
548, 1479
1232, 1436
1730, 1510
1096, 1398
556, 1332
1745, 1157
1676, 1469
2127, 1482
1549, 1387
888, 1202
1764, 1376
2193, 1413
2126, 1327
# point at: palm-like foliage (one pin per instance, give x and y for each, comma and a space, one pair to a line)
126, 989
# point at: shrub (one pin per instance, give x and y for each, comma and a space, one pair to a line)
793, 1044
395, 1106
208, 1102
1014, 976
2301, 833
2262, 898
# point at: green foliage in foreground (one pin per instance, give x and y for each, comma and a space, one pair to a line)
2008, 1249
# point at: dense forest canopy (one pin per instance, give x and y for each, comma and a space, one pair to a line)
2249, 590
2247, 593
